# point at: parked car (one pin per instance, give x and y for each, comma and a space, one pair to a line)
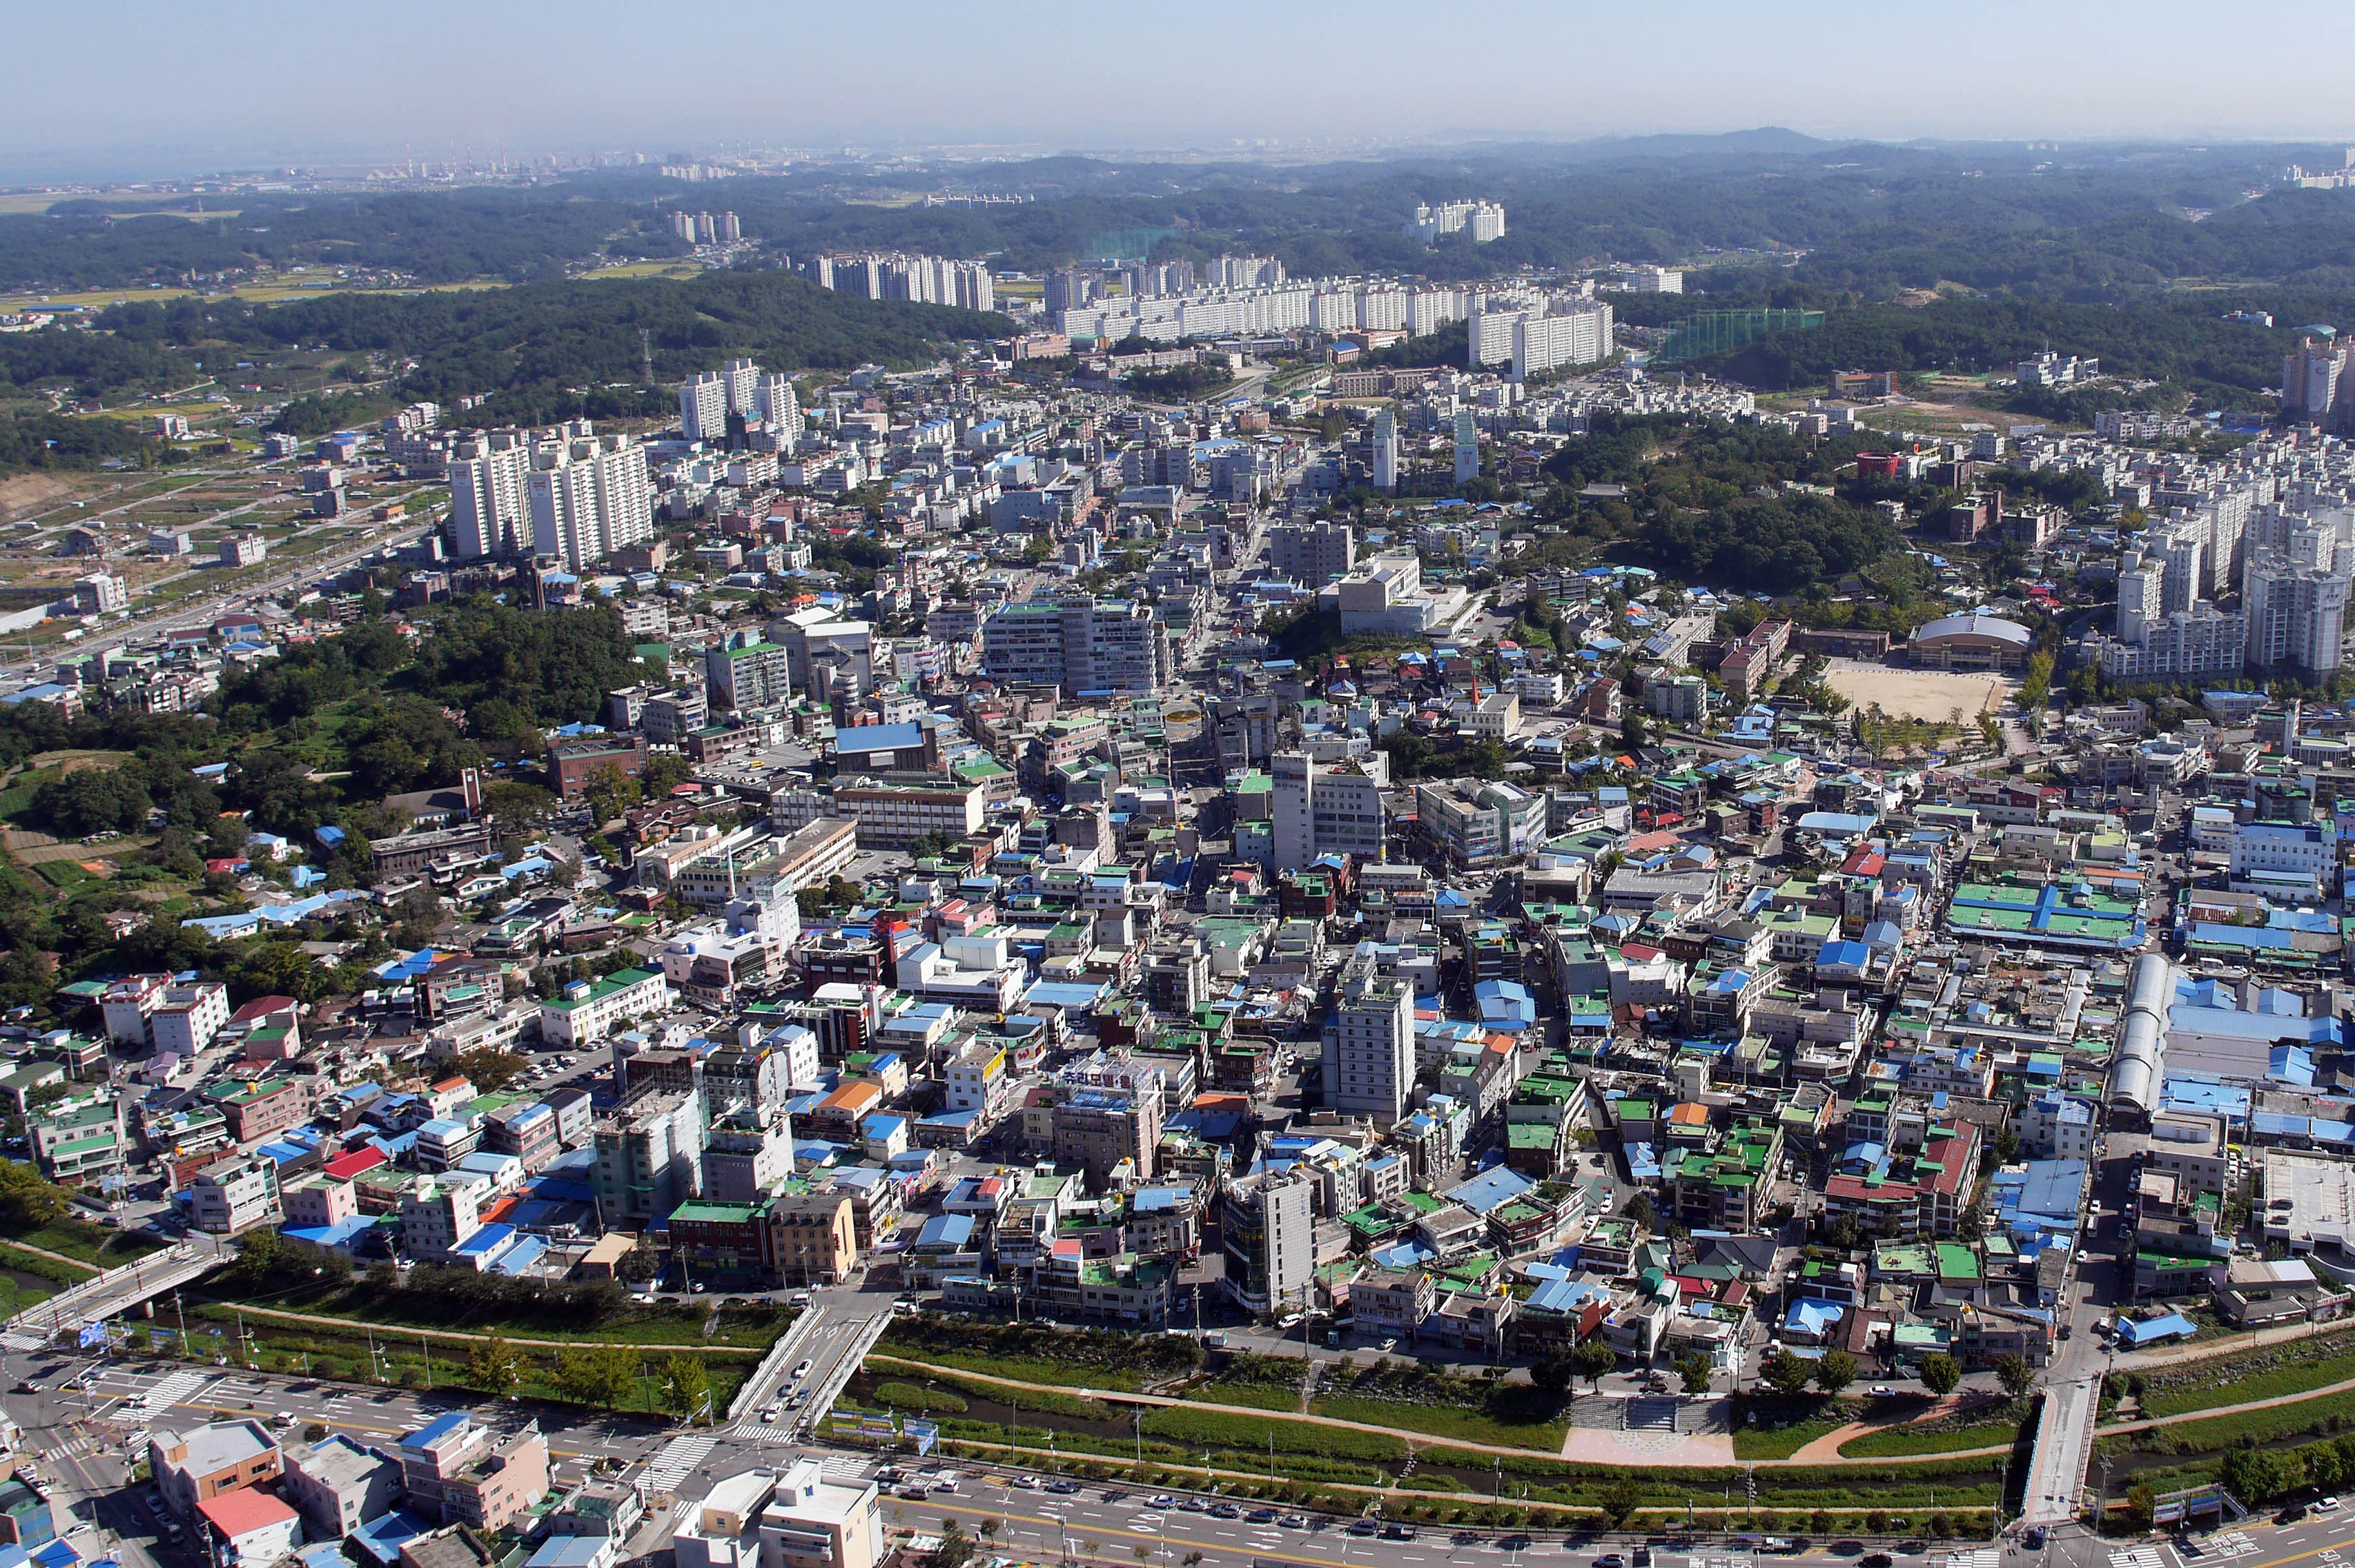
1063, 1488
1161, 1501
1261, 1516
1024, 1483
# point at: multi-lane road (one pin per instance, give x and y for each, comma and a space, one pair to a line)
82, 1440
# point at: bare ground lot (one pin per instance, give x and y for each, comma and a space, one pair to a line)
1918, 693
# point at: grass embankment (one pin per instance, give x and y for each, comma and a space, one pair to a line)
367, 1306
92, 1244
1783, 1426
1063, 1358
401, 1360
2001, 1426
2241, 1377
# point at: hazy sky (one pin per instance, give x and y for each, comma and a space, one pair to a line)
178, 87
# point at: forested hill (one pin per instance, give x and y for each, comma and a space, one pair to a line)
532, 342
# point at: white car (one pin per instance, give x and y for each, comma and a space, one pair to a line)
800, 1372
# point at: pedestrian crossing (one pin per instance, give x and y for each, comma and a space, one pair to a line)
753, 1432
172, 1391
2137, 1557
679, 1458
845, 1466
2218, 1547
1973, 1557
12, 1340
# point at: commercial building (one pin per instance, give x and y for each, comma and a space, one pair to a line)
233, 1196
192, 1464
1267, 1219
1314, 554
456, 1472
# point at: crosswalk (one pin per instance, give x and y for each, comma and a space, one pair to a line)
846, 1466
753, 1432
2137, 1557
14, 1341
679, 1457
1973, 1557
2218, 1547
171, 1391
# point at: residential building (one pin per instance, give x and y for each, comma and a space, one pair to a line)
192, 1464
1369, 1059
649, 1158
591, 495
337, 1485
1267, 1221
1079, 645
456, 1472
233, 1196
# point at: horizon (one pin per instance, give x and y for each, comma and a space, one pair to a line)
264, 90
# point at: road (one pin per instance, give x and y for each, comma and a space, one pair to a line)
83, 1438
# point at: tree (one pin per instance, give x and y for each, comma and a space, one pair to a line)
955, 1548
1594, 1360
1634, 731
1694, 1368
493, 1365
1785, 1373
1620, 1497
2016, 1375
1835, 1371
2142, 1504
1640, 1209
489, 1069
1552, 1374
1941, 1373
686, 1384
600, 1374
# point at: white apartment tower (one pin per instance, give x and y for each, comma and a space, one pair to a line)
1385, 451
490, 499
740, 377
1293, 808
590, 496
2296, 602
703, 407
1369, 1063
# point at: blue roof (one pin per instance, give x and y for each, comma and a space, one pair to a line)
382, 1539
2173, 1326
1490, 1190
434, 1430
878, 737
946, 1231
1813, 1317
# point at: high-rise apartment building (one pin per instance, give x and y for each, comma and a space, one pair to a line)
1578, 336
1081, 644
490, 496
740, 377
1369, 1062
2296, 602
2317, 387
703, 407
1467, 446
590, 496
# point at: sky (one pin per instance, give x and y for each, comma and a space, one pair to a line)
165, 88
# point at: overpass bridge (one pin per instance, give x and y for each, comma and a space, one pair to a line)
117, 1291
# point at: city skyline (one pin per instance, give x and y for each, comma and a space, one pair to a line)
206, 93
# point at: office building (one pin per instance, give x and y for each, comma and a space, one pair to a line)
1324, 809
1314, 554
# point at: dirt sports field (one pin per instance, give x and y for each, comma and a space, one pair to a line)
1917, 693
